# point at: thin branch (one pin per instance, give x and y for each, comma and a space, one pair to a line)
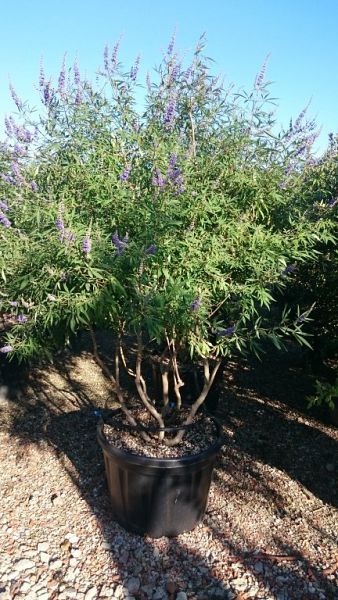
142, 388
217, 308
178, 382
124, 362
192, 134
208, 381
116, 388
165, 383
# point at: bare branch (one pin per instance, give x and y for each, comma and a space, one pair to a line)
178, 382
165, 383
142, 388
124, 362
116, 388
192, 134
208, 381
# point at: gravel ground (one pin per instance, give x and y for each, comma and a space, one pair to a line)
270, 531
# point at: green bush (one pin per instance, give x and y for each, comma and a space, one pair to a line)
177, 225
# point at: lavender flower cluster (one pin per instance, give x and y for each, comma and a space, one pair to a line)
15, 97
86, 244
3, 217
227, 332
195, 305
110, 62
289, 269
6, 349
120, 244
20, 133
170, 112
125, 174
66, 235
135, 68
174, 177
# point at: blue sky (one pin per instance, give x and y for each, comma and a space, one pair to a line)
301, 36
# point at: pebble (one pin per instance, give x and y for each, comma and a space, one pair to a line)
182, 596
148, 590
171, 587
259, 567
160, 594
106, 546
70, 592
44, 557
133, 585
43, 546
76, 552
91, 593
24, 564
55, 564
72, 538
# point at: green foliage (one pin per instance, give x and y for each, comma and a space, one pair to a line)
326, 394
317, 282
200, 194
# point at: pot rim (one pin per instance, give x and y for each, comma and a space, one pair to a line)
170, 462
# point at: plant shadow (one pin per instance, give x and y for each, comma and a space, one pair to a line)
62, 413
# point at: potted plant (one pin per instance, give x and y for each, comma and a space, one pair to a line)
170, 226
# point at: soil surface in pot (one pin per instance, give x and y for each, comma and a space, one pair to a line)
197, 438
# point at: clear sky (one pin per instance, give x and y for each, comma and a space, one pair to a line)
301, 35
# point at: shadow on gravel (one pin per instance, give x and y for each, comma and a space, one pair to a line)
263, 408
262, 430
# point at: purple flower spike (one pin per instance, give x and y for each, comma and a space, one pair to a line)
3, 206
8, 126
260, 77
289, 270
106, 58
59, 223
158, 179
173, 160
87, 245
125, 174
170, 48
77, 76
47, 94
120, 244
175, 71
6, 349
169, 115
15, 97
34, 186
195, 304
188, 73
228, 332
134, 69
62, 77
68, 235
21, 319
19, 150
13, 303
4, 221
115, 55
151, 250
42, 78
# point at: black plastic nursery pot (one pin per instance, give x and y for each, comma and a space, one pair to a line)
158, 496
